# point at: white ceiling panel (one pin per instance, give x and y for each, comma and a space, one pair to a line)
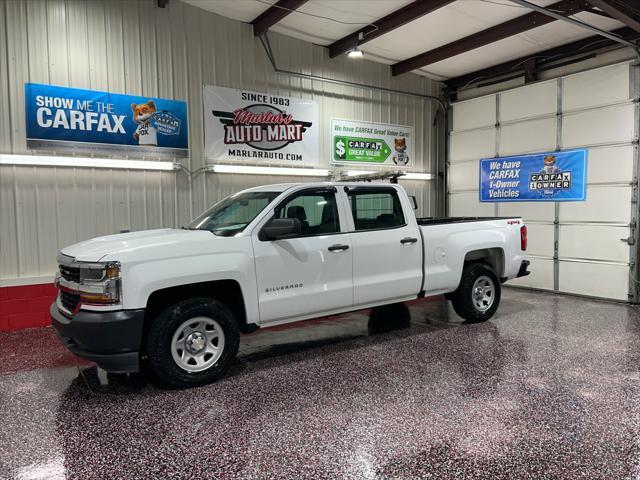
443, 26
542, 38
343, 18
241, 10
325, 21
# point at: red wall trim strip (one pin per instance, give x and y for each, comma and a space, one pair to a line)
25, 306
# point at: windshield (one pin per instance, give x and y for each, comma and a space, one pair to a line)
233, 214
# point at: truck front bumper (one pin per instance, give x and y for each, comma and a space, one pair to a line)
110, 339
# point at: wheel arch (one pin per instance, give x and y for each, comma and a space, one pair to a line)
227, 292
494, 256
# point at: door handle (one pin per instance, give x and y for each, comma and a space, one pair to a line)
338, 248
406, 240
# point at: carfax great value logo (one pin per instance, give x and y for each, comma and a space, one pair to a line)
77, 118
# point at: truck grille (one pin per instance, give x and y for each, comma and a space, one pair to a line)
72, 274
69, 301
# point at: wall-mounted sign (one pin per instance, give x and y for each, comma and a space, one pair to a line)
537, 177
259, 128
371, 143
61, 118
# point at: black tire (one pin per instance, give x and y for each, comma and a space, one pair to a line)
159, 354
462, 299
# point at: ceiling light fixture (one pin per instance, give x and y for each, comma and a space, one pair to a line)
82, 162
416, 176
259, 170
355, 52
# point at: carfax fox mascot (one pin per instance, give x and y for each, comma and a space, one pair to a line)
400, 146
550, 165
145, 134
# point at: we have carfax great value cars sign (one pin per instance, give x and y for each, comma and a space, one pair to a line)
241, 125
62, 118
354, 142
537, 177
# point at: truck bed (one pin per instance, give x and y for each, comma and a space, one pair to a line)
444, 220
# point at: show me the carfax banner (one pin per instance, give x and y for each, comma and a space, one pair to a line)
245, 126
536, 177
62, 118
354, 142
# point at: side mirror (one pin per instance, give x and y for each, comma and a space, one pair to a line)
281, 228
414, 201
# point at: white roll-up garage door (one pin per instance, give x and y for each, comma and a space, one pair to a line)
574, 247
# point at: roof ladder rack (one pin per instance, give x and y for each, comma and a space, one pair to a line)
392, 176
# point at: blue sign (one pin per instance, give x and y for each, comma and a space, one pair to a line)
537, 177
72, 118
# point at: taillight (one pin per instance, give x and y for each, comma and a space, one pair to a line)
523, 238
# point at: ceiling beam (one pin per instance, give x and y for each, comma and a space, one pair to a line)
274, 14
396, 19
619, 11
544, 59
485, 37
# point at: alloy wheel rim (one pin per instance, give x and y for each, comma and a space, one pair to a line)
483, 293
197, 344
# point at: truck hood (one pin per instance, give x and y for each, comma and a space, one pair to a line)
96, 249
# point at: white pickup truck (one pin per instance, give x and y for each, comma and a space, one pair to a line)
178, 299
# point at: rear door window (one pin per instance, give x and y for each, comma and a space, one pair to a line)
375, 209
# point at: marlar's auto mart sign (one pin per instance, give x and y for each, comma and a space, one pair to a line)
259, 127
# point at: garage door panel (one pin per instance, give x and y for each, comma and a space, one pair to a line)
610, 204
530, 136
596, 87
597, 113
599, 242
541, 275
540, 239
476, 113
610, 164
598, 126
529, 101
463, 176
595, 279
529, 211
474, 144
466, 204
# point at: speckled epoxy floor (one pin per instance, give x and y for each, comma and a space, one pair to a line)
547, 389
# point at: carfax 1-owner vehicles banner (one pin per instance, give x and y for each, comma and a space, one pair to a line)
537, 177
255, 127
354, 142
62, 118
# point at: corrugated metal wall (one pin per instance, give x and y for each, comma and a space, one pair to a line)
136, 48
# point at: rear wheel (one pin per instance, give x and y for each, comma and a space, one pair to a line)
478, 295
192, 342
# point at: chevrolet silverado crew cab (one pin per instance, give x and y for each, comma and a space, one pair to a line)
176, 300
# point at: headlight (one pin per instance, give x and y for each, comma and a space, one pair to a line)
84, 283
99, 283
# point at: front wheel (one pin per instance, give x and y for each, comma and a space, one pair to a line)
478, 295
192, 342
